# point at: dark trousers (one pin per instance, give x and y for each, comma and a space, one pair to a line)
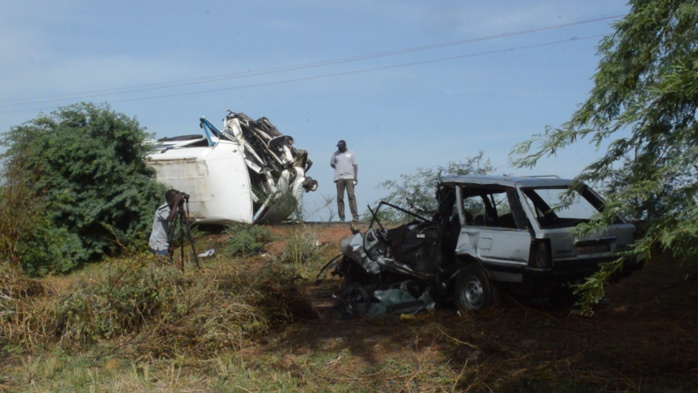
347, 184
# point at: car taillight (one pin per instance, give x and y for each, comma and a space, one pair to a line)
540, 257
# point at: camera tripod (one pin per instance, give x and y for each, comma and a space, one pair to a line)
181, 223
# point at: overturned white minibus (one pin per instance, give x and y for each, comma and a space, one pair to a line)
249, 172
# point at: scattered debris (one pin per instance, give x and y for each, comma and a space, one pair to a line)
208, 253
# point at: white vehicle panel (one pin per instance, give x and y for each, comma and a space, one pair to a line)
216, 179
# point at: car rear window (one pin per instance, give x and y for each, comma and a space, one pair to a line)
560, 206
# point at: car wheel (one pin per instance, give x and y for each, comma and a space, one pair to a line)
473, 291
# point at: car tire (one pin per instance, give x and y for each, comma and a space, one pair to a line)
473, 291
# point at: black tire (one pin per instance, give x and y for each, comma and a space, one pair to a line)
473, 291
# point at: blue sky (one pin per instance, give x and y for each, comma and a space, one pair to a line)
502, 77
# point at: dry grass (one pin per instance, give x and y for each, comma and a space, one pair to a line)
163, 310
21, 307
256, 325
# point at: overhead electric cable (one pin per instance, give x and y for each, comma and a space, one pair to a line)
166, 85
345, 73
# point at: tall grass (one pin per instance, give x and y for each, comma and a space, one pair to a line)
166, 310
302, 247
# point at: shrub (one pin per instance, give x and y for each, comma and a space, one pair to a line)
84, 167
20, 212
246, 240
51, 250
301, 246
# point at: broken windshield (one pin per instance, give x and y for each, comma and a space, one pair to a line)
560, 207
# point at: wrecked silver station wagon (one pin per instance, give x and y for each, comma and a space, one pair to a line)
489, 232
248, 172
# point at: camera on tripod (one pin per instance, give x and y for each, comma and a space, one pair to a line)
185, 199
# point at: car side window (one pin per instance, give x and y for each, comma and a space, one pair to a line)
491, 208
473, 207
505, 217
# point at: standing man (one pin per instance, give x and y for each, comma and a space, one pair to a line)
346, 171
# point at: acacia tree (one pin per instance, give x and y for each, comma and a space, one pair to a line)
84, 167
419, 189
647, 84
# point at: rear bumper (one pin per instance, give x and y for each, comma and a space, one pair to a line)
574, 271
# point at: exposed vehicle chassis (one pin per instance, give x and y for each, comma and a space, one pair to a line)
408, 257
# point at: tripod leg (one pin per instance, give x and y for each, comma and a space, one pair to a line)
191, 241
182, 222
170, 240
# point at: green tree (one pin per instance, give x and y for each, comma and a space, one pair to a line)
84, 166
419, 189
643, 104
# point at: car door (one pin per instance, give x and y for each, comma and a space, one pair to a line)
495, 235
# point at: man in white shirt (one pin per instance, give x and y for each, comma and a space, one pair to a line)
346, 171
159, 243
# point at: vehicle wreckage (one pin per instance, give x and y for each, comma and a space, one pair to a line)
248, 172
488, 233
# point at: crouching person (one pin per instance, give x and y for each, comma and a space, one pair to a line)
159, 242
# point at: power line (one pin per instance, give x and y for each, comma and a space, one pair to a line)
339, 74
167, 85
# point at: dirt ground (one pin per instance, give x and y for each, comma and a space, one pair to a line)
642, 334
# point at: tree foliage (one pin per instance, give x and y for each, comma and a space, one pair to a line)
643, 105
82, 168
419, 189
20, 214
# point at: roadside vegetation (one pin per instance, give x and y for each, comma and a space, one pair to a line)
75, 188
83, 306
263, 323
140, 308
643, 106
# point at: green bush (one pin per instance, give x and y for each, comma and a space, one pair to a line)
86, 165
50, 249
246, 240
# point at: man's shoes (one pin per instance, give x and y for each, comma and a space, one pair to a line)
341, 219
